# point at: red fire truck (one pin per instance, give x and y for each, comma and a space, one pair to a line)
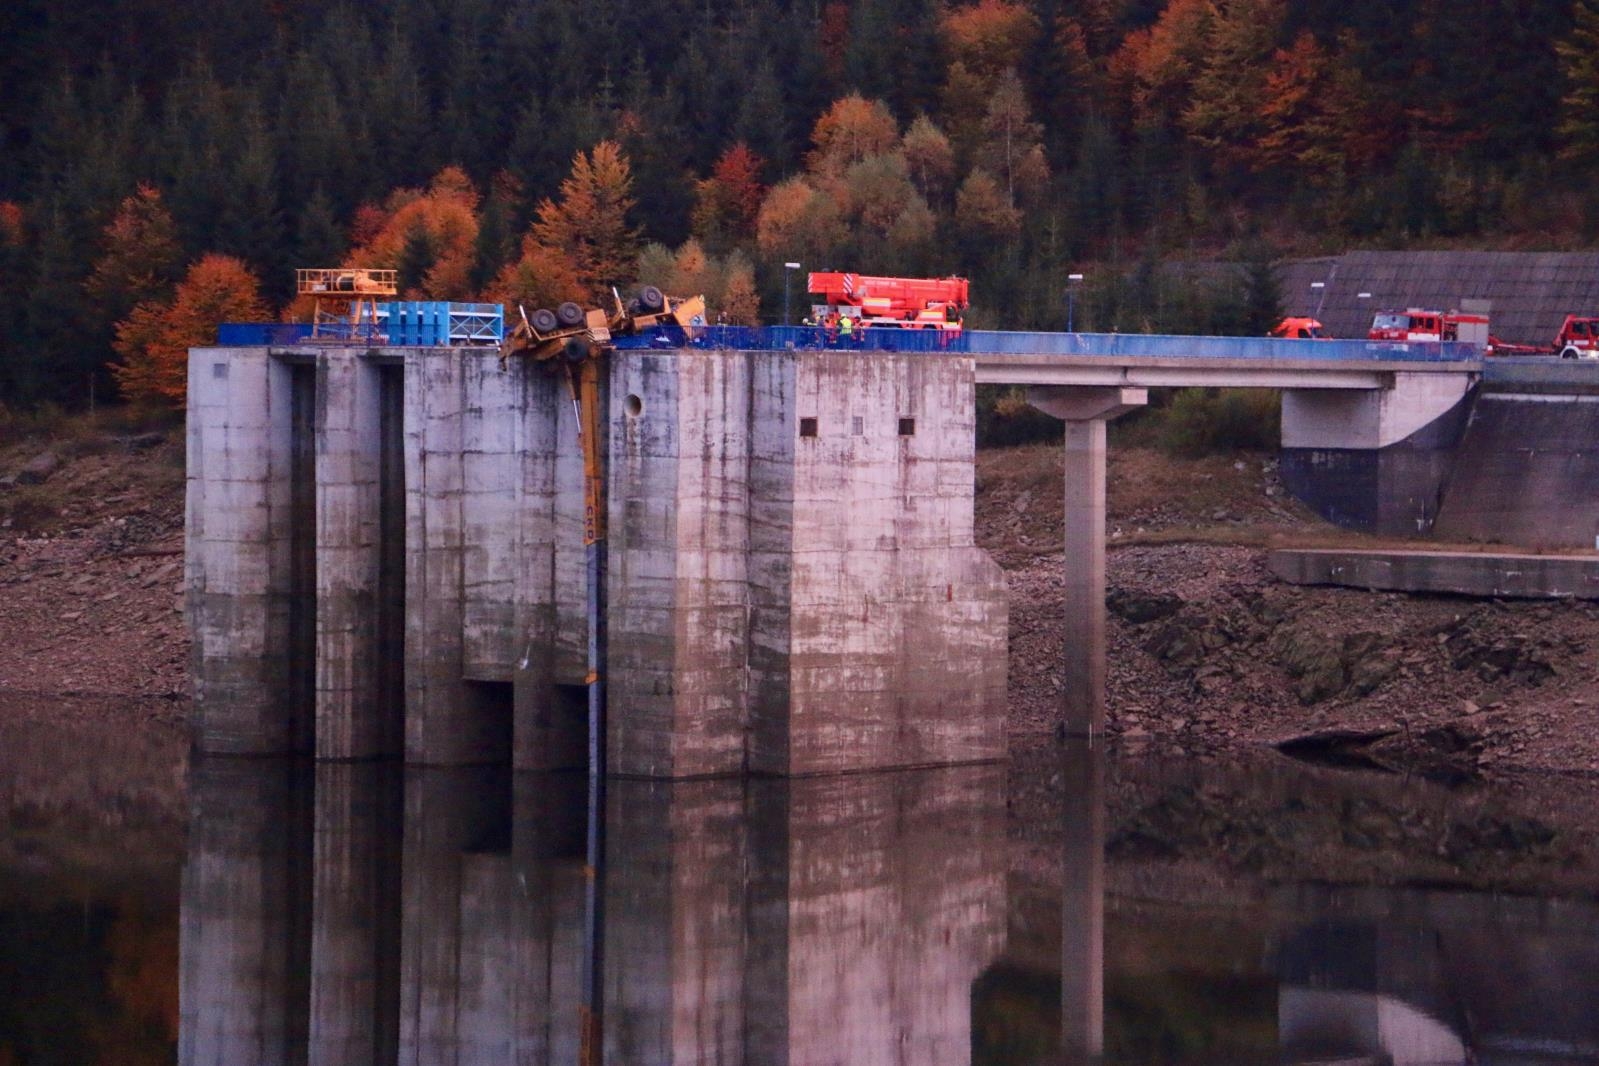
1415, 324
894, 303
1578, 339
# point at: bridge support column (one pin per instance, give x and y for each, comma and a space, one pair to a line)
1085, 410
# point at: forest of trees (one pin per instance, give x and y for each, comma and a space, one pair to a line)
167, 164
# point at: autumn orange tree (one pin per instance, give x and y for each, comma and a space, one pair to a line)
140, 259
154, 340
588, 224
428, 235
728, 201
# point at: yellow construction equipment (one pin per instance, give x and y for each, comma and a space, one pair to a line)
571, 332
346, 300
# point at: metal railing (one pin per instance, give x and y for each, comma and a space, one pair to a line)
995, 342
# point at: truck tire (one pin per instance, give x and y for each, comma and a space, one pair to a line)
576, 349
544, 321
569, 314
1569, 352
650, 298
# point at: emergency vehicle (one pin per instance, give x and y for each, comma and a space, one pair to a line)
1415, 324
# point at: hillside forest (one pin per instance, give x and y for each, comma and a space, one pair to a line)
168, 166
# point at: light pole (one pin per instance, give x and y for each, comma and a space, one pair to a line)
1071, 300
1321, 296
788, 272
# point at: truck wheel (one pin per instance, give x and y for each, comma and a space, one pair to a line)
1568, 352
650, 298
544, 321
569, 314
576, 349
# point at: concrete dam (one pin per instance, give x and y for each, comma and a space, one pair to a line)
385, 558
385, 545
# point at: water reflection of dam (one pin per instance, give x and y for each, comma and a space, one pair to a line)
432, 916
439, 917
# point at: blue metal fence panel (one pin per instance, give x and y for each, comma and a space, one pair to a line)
256, 334
994, 342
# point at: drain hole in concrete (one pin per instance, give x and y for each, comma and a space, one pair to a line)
633, 405
907, 427
807, 427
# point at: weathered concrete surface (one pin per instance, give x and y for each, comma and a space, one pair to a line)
1463, 573
239, 522
794, 584
887, 623
349, 712
1527, 472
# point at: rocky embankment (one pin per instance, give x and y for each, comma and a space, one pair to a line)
1209, 652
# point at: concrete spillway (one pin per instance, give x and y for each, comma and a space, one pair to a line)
385, 557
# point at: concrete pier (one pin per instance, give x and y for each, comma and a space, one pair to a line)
246, 507
794, 583
1086, 411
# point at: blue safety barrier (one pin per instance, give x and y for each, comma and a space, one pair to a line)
255, 334
400, 323
994, 342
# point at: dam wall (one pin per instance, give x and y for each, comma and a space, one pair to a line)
385, 557
1527, 471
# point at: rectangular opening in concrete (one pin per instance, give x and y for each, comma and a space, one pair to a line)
302, 558
807, 427
494, 704
390, 637
857, 426
907, 427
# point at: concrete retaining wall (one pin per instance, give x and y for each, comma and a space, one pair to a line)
1527, 472
1460, 573
794, 585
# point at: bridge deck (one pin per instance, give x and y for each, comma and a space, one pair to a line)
1114, 359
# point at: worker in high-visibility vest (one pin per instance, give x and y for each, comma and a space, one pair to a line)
846, 329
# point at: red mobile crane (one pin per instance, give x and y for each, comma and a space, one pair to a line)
894, 303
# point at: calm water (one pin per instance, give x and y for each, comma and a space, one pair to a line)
1155, 911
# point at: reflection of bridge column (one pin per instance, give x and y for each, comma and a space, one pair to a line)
245, 914
355, 914
875, 902
1085, 410
1082, 971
